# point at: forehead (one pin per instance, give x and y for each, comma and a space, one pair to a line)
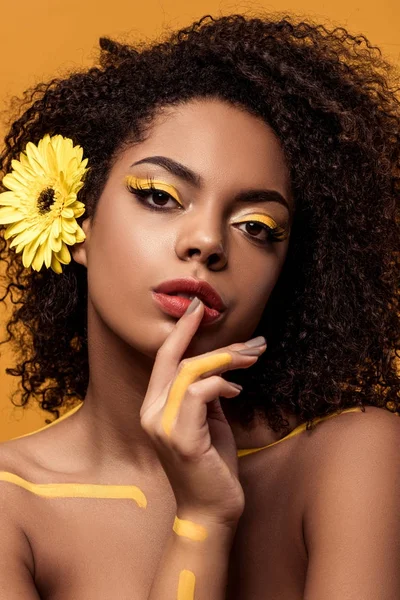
220, 142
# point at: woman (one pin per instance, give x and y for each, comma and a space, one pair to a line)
257, 159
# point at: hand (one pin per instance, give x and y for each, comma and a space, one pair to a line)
182, 414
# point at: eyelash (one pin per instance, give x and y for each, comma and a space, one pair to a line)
275, 234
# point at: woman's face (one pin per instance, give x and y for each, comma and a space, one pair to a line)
199, 232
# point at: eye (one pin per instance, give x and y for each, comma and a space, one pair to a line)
160, 199
268, 234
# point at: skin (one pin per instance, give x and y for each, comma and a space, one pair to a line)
297, 522
122, 253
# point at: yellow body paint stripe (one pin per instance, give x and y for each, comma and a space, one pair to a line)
188, 375
189, 529
186, 585
78, 490
299, 429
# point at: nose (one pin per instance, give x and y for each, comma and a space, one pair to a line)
202, 239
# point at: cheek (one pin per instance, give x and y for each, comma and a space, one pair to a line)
125, 242
257, 272
126, 260
256, 281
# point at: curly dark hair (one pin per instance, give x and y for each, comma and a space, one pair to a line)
332, 321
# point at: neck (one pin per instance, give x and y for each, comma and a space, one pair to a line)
108, 429
109, 419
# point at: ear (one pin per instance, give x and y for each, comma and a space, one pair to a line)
79, 251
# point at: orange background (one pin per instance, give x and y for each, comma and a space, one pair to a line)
46, 38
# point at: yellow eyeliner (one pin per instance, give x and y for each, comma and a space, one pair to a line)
279, 232
186, 585
78, 490
189, 529
144, 183
187, 376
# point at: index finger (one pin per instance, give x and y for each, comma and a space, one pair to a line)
173, 348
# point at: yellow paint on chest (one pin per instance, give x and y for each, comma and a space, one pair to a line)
78, 490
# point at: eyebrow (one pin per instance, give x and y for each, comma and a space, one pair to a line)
179, 170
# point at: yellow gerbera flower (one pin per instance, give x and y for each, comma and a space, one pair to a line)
42, 206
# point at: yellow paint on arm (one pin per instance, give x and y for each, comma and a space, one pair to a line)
189, 529
186, 585
188, 375
78, 490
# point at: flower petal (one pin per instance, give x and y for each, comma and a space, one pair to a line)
37, 262
64, 255
26, 172
68, 238
29, 252
55, 265
36, 158
9, 214
11, 182
55, 243
56, 227
67, 212
25, 236
9, 199
52, 161
69, 225
17, 227
47, 254
78, 212
80, 235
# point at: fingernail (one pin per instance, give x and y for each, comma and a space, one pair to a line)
193, 305
257, 341
251, 351
236, 385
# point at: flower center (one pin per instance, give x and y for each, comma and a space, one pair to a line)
45, 200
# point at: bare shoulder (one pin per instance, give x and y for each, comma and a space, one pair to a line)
352, 462
17, 456
12, 455
373, 428
45, 452
353, 447
17, 563
14, 459
351, 441
28, 458
350, 518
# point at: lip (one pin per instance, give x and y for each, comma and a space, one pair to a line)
196, 287
176, 306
